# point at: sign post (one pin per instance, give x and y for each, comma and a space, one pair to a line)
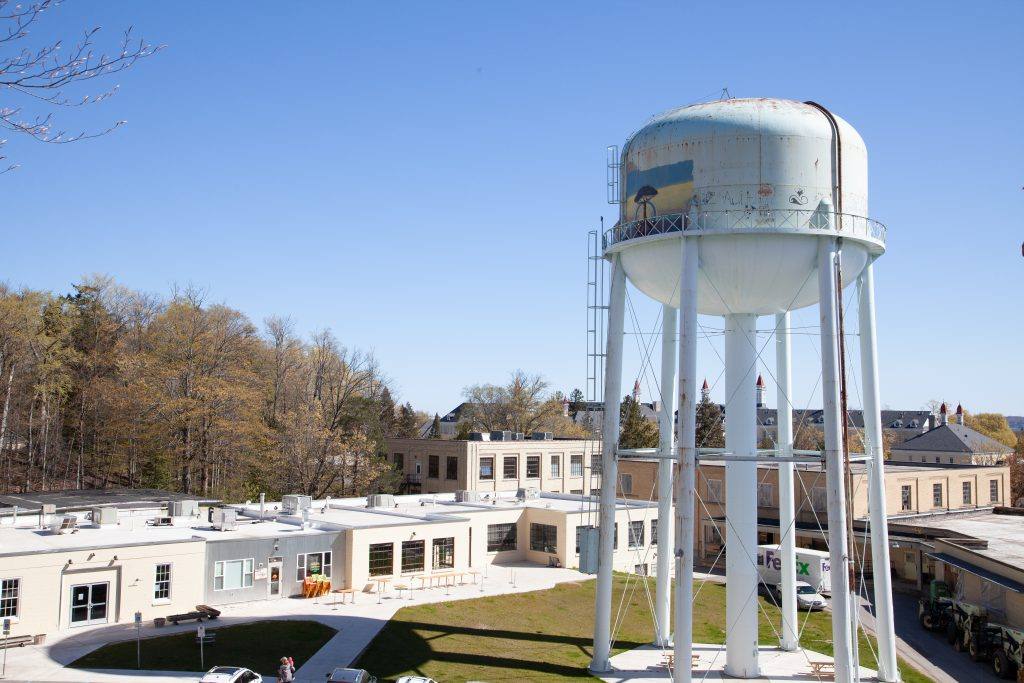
201, 634
138, 640
7, 632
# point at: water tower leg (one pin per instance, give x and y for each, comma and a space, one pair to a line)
741, 658
686, 466
789, 639
887, 670
663, 591
834, 465
609, 469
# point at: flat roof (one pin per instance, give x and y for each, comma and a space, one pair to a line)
83, 499
1004, 533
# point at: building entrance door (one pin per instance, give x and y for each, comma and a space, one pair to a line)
274, 579
89, 603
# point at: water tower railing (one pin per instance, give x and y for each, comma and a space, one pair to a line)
753, 220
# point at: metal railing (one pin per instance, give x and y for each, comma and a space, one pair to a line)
749, 220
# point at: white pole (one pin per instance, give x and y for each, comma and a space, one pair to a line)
741, 659
789, 639
609, 470
663, 592
686, 472
834, 466
887, 670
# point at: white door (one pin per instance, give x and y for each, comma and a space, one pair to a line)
274, 580
89, 603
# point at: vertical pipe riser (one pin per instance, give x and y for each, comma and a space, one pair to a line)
784, 442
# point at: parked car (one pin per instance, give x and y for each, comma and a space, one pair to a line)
807, 598
342, 675
231, 674
415, 679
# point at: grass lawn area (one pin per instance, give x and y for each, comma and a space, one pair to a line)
258, 646
547, 635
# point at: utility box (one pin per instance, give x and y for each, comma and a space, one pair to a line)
225, 519
589, 548
104, 516
294, 504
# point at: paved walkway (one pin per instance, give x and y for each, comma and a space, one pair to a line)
357, 624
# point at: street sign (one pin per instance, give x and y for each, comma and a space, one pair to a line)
201, 631
138, 618
7, 627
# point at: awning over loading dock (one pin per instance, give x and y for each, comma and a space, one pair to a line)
970, 568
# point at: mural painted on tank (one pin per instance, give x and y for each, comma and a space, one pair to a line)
672, 185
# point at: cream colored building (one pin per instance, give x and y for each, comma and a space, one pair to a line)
445, 466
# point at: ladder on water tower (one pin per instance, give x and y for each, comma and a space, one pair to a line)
596, 271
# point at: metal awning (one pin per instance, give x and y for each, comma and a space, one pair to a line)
970, 568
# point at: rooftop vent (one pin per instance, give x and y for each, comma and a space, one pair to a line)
467, 497
380, 500
225, 519
294, 504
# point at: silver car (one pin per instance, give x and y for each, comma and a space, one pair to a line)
342, 675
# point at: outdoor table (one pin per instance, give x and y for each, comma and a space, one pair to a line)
382, 583
475, 573
340, 593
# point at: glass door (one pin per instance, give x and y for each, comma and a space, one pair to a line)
89, 603
274, 581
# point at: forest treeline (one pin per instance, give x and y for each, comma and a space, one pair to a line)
106, 386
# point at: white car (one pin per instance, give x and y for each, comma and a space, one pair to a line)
807, 598
231, 674
342, 675
415, 679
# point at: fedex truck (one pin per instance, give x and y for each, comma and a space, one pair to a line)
812, 567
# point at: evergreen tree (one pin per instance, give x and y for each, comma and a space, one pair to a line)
709, 425
435, 428
635, 430
406, 427
575, 402
386, 412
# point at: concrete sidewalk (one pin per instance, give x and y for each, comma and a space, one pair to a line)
357, 624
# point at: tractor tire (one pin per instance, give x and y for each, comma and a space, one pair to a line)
926, 621
958, 644
1001, 665
975, 652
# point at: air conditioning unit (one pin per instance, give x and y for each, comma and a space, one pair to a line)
518, 436
501, 436
531, 493
49, 509
183, 508
295, 504
479, 436
225, 519
104, 516
467, 497
380, 500
163, 521
66, 524
542, 436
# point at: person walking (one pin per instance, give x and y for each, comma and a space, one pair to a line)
286, 672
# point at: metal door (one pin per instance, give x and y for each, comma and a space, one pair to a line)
274, 580
89, 602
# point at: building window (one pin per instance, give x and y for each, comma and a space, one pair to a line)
556, 466
654, 532
711, 535
906, 498
382, 559
576, 465
819, 499
487, 468
595, 463
10, 596
579, 535
232, 574
412, 556
399, 462
714, 490
576, 492
937, 495
451, 468
626, 484
636, 534
433, 467
615, 537
993, 490
533, 467
162, 582
510, 467
501, 537
444, 553
967, 492
312, 564
765, 495
544, 538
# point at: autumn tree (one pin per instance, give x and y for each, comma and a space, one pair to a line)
523, 405
993, 425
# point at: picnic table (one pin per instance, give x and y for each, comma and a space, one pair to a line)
670, 659
821, 669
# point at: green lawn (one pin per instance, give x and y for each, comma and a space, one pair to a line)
257, 646
547, 635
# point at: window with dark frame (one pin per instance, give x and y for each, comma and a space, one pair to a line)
576, 465
967, 492
510, 467
993, 490
10, 596
636, 534
443, 553
654, 532
312, 564
162, 581
399, 462
533, 467
937, 495
433, 467
544, 538
906, 498
412, 556
451, 465
487, 468
382, 559
556, 466
501, 537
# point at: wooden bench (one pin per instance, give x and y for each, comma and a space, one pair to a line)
187, 616
17, 641
821, 669
211, 612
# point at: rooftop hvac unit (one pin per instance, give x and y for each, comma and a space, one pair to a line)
517, 436
295, 504
467, 497
66, 524
163, 521
183, 508
501, 436
225, 519
49, 509
542, 436
380, 500
104, 516
479, 436
528, 494
589, 538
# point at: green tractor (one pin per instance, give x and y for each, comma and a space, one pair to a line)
933, 610
1008, 652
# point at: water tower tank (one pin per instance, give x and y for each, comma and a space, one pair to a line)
756, 178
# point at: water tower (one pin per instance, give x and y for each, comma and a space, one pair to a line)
743, 208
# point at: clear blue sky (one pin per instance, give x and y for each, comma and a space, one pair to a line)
420, 177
